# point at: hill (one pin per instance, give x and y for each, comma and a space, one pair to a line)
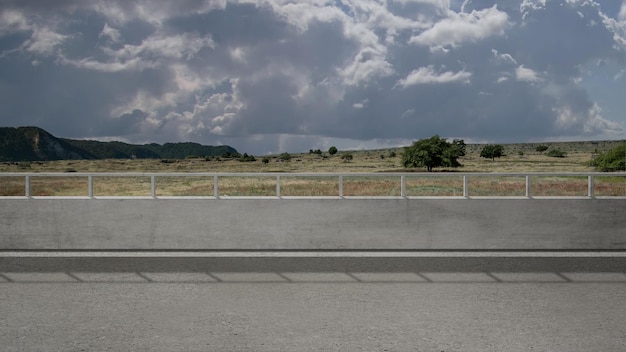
36, 144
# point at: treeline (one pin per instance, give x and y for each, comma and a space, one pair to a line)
120, 150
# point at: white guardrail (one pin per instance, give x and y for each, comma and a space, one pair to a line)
587, 177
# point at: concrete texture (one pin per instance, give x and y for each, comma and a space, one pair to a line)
313, 224
462, 315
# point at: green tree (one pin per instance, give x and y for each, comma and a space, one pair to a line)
332, 150
432, 152
460, 145
492, 151
612, 160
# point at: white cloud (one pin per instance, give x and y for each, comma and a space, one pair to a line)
133, 64
361, 104
12, 21
367, 65
595, 123
591, 121
155, 12
459, 28
178, 46
110, 32
531, 5
150, 53
407, 113
427, 75
622, 13
503, 58
524, 74
43, 41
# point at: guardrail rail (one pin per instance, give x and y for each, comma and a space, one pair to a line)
334, 185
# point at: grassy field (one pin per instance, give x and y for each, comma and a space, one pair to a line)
520, 158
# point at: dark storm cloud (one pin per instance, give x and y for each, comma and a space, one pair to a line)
269, 76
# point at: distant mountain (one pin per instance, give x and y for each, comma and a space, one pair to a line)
35, 144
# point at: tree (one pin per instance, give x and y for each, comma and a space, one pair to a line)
332, 150
612, 160
492, 151
541, 148
432, 152
460, 145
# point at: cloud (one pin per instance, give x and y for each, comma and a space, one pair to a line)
503, 58
526, 75
427, 75
110, 33
12, 21
463, 27
43, 41
274, 75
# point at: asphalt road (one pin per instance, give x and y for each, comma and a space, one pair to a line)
330, 311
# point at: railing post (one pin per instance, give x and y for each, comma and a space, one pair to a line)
90, 186
278, 186
527, 186
341, 186
590, 192
153, 186
216, 192
27, 186
465, 186
403, 186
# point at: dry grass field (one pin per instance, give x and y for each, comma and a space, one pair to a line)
520, 158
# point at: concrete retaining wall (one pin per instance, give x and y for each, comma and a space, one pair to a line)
313, 224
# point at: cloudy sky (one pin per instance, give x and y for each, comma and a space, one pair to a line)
267, 76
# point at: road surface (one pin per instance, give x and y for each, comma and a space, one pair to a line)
308, 311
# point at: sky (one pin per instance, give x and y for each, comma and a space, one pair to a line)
272, 76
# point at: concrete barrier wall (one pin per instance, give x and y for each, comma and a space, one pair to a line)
313, 224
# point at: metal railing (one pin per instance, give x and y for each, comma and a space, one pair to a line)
398, 180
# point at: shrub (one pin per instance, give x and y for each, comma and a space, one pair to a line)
611, 160
265, 160
284, 157
346, 156
556, 153
541, 148
332, 150
247, 158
